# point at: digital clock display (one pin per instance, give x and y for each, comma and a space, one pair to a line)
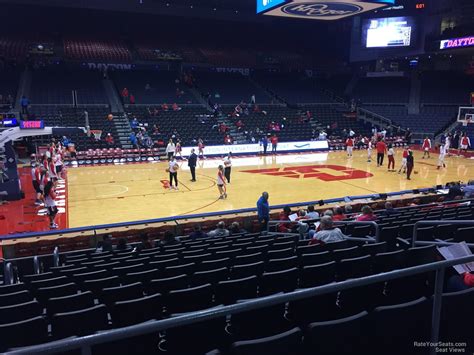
31, 124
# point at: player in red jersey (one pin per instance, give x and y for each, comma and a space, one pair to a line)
465, 143
426, 147
350, 146
403, 166
201, 148
381, 150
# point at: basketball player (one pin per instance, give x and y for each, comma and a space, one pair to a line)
426, 147
381, 150
58, 163
369, 150
465, 143
173, 170
50, 203
228, 167
447, 144
404, 161
410, 164
36, 179
221, 183
350, 146
442, 154
178, 149
51, 168
391, 157
200, 148
170, 149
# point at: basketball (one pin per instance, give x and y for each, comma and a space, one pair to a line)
110, 117
167, 170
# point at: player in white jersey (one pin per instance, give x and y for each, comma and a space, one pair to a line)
442, 155
369, 151
447, 144
173, 170
221, 182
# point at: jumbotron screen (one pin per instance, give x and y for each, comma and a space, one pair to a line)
388, 32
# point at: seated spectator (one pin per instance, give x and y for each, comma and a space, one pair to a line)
454, 191
367, 215
105, 244
235, 229
145, 243
175, 107
165, 107
228, 139
109, 139
122, 244
327, 234
338, 214
312, 214
348, 209
239, 124
220, 231
134, 123
169, 239
197, 233
284, 216
132, 99
389, 210
156, 129
329, 213
469, 189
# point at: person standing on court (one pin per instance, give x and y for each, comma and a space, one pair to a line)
274, 141
381, 150
192, 160
410, 164
173, 170
221, 183
170, 149
263, 210
264, 144
228, 167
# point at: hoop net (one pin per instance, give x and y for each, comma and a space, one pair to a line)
96, 133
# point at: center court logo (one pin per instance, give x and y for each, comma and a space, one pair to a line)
321, 9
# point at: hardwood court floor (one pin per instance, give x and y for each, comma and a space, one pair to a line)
120, 193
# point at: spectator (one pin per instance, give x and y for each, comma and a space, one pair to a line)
105, 244
197, 233
235, 229
338, 214
134, 123
122, 244
274, 140
285, 216
228, 139
220, 231
367, 215
329, 213
348, 209
24, 103
312, 214
175, 107
469, 189
454, 192
133, 140
389, 210
164, 107
327, 234
169, 239
124, 95
109, 139
132, 99
145, 242
263, 210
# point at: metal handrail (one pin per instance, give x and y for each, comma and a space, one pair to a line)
437, 223
155, 326
8, 274
191, 216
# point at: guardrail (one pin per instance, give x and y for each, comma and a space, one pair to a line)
176, 219
85, 343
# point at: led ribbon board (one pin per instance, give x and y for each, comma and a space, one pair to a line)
326, 10
457, 43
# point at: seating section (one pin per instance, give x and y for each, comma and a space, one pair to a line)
382, 90
446, 88
292, 88
64, 116
56, 86
12, 47
229, 88
9, 78
164, 87
190, 122
431, 118
97, 49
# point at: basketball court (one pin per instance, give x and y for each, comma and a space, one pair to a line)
120, 193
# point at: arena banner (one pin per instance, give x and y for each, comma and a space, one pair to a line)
457, 42
325, 10
257, 148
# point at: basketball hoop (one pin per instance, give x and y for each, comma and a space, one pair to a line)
97, 133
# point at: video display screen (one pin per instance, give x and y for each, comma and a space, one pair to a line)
388, 32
